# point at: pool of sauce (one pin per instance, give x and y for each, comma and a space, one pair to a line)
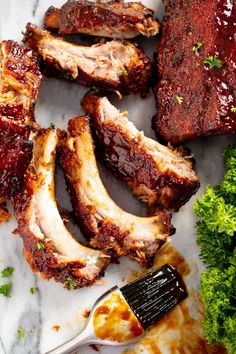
178, 332
115, 321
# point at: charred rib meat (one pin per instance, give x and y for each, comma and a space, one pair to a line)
108, 226
159, 175
115, 19
20, 78
196, 62
15, 155
19, 83
49, 248
116, 65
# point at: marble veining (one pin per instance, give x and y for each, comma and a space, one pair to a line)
52, 305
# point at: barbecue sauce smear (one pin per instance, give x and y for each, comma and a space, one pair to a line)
179, 332
114, 320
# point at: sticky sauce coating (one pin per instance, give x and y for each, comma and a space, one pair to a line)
115, 321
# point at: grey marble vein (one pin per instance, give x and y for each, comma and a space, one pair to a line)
30, 323
2, 349
35, 7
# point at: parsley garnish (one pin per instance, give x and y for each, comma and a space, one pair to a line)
21, 334
5, 289
197, 46
233, 109
125, 72
7, 272
52, 125
40, 245
33, 290
70, 284
213, 62
179, 99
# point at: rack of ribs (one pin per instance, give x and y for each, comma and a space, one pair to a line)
49, 248
159, 175
116, 65
115, 19
197, 77
104, 222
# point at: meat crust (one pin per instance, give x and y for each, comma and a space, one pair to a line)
20, 78
49, 248
19, 83
115, 65
15, 155
108, 226
159, 175
115, 19
208, 94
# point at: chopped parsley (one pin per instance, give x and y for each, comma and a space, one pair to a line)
21, 334
233, 109
52, 125
5, 289
40, 245
70, 284
213, 62
33, 290
179, 99
197, 46
7, 272
125, 72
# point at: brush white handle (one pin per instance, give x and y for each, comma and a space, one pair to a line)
72, 345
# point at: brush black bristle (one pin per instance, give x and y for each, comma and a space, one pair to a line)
152, 296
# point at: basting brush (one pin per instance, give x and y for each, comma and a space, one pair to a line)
121, 316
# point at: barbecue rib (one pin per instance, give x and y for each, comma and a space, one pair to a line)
158, 175
15, 155
49, 248
108, 226
196, 98
115, 19
116, 65
20, 78
19, 83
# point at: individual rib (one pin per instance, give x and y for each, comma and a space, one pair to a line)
115, 19
159, 175
20, 78
49, 248
115, 65
107, 225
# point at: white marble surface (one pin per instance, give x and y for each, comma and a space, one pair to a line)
52, 305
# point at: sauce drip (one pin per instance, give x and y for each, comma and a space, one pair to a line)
115, 321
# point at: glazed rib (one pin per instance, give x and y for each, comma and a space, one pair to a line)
159, 175
115, 19
208, 94
108, 226
116, 65
15, 155
20, 78
49, 248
